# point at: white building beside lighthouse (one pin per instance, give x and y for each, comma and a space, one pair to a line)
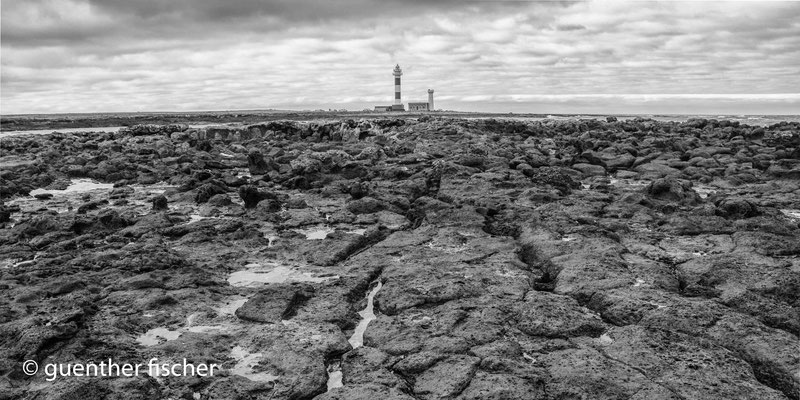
422, 106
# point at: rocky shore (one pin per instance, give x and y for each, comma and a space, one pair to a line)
502, 259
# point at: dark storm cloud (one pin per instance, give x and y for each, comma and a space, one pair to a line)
573, 27
64, 22
290, 10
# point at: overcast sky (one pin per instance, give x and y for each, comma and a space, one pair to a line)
700, 57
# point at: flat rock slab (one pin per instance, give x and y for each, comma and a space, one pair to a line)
553, 316
447, 378
364, 392
275, 303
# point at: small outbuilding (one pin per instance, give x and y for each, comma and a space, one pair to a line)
418, 107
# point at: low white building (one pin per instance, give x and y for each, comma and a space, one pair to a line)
419, 107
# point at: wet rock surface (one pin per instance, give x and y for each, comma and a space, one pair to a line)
549, 259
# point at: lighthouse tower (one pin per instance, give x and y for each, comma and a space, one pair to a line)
430, 99
398, 104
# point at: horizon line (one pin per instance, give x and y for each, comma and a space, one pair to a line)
320, 111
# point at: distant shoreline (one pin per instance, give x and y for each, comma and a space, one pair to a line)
23, 122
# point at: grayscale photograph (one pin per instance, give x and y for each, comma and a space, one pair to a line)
400, 200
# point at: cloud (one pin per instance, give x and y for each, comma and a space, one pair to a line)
115, 55
570, 27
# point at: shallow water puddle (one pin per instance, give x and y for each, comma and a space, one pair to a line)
256, 274
357, 339
140, 200
60, 200
359, 231
245, 361
230, 307
335, 375
658, 306
159, 335
794, 214
316, 233
195, 217
206, 329
271, 238
75, 186
20, 263
704, 190
154, 336
448, 249
367, 316
528, 357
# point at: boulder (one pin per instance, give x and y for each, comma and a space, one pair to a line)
208, 190
673, 190
655, 170
589, 169
736, 208
365, 205
159, 203
220, 200
252, 195
256, 163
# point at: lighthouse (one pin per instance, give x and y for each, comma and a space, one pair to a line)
430, 100
398, 104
